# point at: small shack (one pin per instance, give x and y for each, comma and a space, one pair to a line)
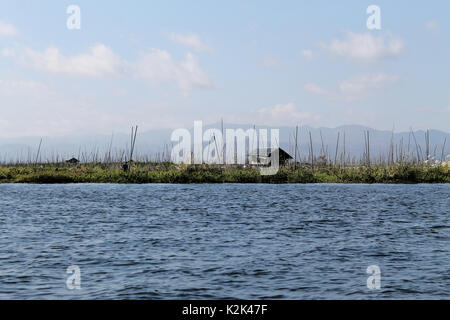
73, 161
262, 156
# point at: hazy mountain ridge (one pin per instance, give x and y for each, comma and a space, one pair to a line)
156, 143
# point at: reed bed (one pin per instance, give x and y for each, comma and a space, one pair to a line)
166, 172
402, 163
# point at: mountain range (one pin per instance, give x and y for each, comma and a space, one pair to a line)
156, 144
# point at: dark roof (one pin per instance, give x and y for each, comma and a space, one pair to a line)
73, 160
283, 154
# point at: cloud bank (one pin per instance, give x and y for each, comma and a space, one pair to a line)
158, 66
100, 61
8, 30
192, 41
365, 47
356, 88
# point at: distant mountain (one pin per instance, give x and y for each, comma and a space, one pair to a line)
156, 144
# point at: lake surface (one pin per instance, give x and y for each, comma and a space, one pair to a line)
224, 241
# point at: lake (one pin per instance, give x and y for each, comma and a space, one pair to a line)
245, 241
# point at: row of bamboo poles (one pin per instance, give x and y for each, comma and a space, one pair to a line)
403, 152
397, 153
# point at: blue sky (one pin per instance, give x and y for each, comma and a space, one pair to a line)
164, 64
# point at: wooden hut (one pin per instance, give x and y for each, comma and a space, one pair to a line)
262, 156
73, 161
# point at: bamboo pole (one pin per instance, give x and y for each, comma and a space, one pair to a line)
39, 150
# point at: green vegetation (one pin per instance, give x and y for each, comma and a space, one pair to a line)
166, 172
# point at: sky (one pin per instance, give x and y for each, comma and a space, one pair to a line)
164, 64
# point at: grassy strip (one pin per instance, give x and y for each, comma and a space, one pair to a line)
171, 173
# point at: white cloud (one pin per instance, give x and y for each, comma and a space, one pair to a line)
7, 52
159, 67
8, 30
432, 26
99, 62
366, 47
307, 54
13, 87
314, 88
156, 65
284, 114
359, 86
278, 115
192, 41
355, 88
32, 108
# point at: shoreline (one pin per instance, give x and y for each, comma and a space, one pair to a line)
169, 173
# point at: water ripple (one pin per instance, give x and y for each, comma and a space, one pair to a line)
224, 241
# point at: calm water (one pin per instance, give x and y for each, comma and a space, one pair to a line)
224, 241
